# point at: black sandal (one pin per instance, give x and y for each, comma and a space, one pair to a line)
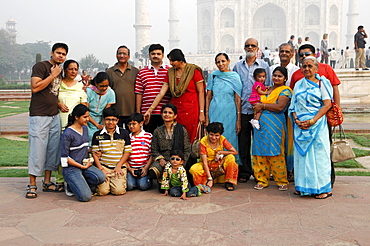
46, 187
229, 186
59, 187
31, 194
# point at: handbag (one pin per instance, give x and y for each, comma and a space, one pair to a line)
334, 115
195, 145
340, 150
219, 171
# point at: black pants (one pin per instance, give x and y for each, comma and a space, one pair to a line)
155, 121
332, 163
245, 137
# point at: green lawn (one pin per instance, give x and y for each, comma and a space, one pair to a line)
8, 108
13, 153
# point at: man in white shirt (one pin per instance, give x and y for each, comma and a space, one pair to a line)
286, 52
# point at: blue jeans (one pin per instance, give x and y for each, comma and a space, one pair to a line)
143, 183
81, 181
177, 191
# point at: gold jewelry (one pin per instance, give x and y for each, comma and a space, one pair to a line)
312, 122
264, 106
152, 107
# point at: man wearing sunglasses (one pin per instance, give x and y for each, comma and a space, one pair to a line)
324, 69
245, 69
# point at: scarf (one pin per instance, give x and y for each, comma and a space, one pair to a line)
177, 90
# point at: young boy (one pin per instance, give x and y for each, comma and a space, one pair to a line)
115, 147
177, 184
140, 158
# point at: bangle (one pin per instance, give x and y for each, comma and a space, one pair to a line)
312, 121
202, 111
238, 112
152, 107
264, 106
210, 179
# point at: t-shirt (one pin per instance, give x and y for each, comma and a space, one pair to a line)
360, 39
149, 84
324, 70
74, 145
141, 145
45, 102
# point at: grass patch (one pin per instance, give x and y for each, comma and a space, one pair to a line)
343, 173
24, 136
13, 153
352, 163
9, 108
14, 173
361, 139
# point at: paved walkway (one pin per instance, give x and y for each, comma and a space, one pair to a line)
242, 217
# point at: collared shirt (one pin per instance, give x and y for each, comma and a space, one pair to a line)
141, 149
123, 85
360, 40
149, 83
291, 69
246, 75
112, 146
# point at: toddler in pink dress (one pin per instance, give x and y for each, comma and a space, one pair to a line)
258, 89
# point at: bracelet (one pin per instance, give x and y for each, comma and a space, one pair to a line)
152, 107
264, 106
312, 122
202, 111
238, 112
210, 179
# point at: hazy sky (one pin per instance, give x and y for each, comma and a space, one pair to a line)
99, 27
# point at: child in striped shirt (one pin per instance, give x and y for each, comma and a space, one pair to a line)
140, 158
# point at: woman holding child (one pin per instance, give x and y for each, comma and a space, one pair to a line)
270, 141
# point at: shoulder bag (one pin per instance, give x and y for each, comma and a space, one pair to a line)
340, 150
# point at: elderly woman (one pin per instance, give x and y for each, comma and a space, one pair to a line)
270, 142
186, 83
224, 88
168, 137
215, 152
311, 100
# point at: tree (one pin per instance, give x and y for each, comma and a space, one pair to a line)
91, 63
143, 55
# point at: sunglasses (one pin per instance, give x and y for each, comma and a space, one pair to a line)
250, 45
175, 159
305, 54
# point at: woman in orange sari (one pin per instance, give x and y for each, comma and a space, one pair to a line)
215, 151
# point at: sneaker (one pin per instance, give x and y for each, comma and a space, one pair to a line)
68, 192
255, 123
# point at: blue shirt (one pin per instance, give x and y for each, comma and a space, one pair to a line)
246, 75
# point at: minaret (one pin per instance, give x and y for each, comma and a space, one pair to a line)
352, 22
10, 28
173, 25
142, 26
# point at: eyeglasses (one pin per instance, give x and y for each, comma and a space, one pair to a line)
121, 53
250, 45
305, 54
175, 159
109, 119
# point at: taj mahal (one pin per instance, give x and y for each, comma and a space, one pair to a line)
223, 25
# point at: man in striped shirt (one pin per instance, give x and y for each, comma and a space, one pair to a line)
140, 158
148, 84
114, 148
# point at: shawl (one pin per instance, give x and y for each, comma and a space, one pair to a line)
177, 90
231, 79
274, 95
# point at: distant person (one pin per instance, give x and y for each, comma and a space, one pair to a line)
291, 40
296, 47
266, 56
318, 54
333, 55
44, 122
360, 48
122, 76
149, 82
306, 40
286, 53
367, 57
324, 47
85, 78
347, 58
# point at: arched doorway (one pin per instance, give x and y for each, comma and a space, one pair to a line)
271, 22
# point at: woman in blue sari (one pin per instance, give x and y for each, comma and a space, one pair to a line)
311, 101
270, 143
223, 103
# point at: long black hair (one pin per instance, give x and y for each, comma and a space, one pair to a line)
78, 111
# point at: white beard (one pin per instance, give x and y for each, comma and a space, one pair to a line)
250, 54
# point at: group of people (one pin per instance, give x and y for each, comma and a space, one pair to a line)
127, 127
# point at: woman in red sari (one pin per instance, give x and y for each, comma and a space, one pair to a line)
186, 85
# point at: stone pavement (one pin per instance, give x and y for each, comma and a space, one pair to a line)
241, 217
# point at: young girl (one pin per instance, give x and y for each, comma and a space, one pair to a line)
175, 179
78, 170
99, 97
258, 89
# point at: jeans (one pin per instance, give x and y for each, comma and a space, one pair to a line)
142, 183
177, 191
81, 181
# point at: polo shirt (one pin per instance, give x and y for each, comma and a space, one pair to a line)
149, 83
246, 75
324, 70
123, 85
112, 149
141, 145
